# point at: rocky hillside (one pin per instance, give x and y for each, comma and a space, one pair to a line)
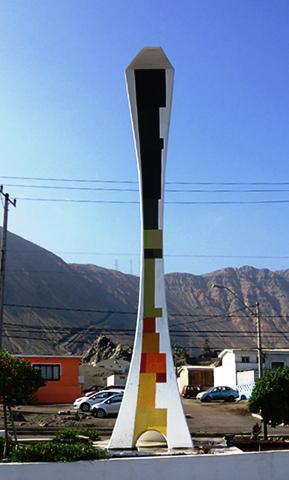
103, 349
52, 306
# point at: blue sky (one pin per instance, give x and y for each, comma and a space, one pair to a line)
64, 114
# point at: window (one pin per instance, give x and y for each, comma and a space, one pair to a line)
245, 359
277, 365
116, 399
49, 371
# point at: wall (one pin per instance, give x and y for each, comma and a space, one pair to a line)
254, 466
253, 360
246, 382
183, 379
276, 357
65, 390
116, 380
226, 373
195, 375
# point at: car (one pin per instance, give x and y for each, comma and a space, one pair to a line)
110, 387
227, 394
93, 388
85, 403
190, 391
110, 406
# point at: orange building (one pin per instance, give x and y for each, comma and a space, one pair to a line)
61, 375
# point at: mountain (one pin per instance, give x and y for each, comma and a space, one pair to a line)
55, 307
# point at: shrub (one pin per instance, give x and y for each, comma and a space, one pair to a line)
9, 446
71, 435
270, 396
55, 452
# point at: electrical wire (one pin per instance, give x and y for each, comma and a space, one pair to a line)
168, 190
82, 180
127, 254
121, 312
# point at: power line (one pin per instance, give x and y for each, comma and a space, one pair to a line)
82, 180
177, 202
121, 312
168, 190
189, 255
95, 329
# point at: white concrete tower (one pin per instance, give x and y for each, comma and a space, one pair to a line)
151, 399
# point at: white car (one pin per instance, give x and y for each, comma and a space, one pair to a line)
110, 406
85, 403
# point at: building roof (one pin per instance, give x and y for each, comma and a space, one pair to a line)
265, 350
45, 356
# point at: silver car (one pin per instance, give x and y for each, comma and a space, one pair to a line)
85, 403
110, 406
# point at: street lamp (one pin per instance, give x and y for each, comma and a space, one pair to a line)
255, 312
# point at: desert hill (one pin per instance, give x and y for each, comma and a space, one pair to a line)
55, 307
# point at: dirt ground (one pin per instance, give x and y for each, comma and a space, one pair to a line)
215, 418
203, 418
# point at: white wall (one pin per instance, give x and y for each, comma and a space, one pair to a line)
253, 361
246, 382
183, 379
245, 377
253, 466
117, 379
226, 373
276, 357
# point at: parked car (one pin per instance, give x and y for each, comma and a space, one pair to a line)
92, 388
119, 387
227, 394
110, 406
190, 391
85, 403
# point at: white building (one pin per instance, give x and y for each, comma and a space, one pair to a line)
116, 380
238, 368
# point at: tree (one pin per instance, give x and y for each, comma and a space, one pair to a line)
270, 397
180, 356
18, 379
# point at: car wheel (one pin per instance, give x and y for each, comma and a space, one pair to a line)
231, 398
85, 407
206, 399
99, 413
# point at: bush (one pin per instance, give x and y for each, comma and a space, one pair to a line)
71, 435
270, 397
9, 446
55, 452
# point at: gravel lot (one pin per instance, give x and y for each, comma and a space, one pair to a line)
215, 418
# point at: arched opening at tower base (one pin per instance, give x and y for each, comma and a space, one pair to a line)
151, 438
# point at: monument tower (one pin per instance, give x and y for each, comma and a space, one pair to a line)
151, 399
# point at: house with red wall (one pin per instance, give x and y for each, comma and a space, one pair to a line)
61, 375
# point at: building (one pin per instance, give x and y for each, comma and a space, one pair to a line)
116, 380
238, 368
197, 375
61, 375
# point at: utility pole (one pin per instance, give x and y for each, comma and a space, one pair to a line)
259, 341
7, 201
255, 313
